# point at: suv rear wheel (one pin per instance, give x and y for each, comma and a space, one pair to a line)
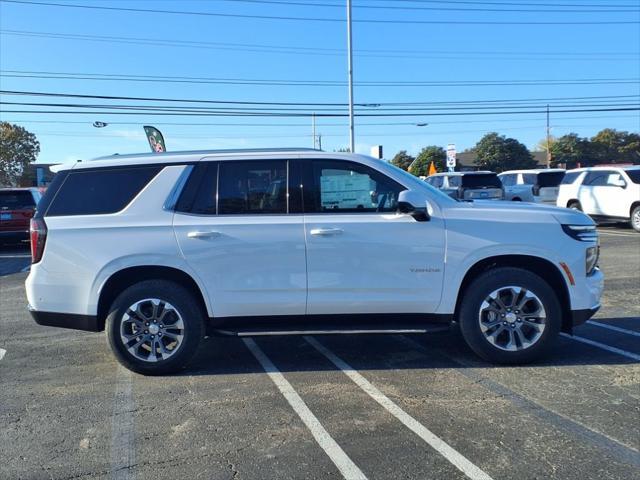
575, 206
509, 315
154, 327
635, 218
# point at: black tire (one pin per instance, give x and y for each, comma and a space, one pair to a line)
184, 304
575, 206
481, 287
634, 221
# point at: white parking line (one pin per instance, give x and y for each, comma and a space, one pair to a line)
448, 452
617, 234
2, 353
348, 469
614, 328
603, 346
123, 455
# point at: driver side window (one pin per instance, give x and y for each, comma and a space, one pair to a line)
348, 187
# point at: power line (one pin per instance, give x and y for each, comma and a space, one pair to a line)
310, 49
319, 19
563, 8
322, 125
323, 115
317, 51
600, 98
307, 83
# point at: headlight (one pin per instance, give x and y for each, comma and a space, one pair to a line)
591, 259
583, 233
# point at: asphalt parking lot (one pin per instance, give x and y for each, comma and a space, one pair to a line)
377, 407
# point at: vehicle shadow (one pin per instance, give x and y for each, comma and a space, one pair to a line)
229, 355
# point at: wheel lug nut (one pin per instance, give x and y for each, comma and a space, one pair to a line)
155, 321
504, 323
520, 320
147, 324
146, 331
152, 336
502, 315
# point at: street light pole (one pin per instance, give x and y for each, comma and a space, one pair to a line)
352, 142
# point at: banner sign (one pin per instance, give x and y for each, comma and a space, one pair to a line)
451, 156
156, 140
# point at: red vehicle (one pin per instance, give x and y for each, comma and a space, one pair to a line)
17, 206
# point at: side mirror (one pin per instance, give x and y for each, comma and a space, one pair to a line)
414, 204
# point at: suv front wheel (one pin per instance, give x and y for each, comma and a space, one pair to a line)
154, 327
509, 315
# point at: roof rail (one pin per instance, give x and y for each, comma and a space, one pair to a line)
209, 152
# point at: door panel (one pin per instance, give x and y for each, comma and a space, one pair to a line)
362, 256
375, 263
250, 265
234, 231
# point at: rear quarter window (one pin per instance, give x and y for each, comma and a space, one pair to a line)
101, 191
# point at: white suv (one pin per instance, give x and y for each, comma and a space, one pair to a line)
604, 193
162, 249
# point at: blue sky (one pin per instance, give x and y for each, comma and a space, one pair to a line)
243, 48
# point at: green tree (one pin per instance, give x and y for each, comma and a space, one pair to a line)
432, 153
613, 146
18, 148
572, 150
402, 160
498, 153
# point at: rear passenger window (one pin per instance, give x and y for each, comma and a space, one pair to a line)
570, 177
454, 182
102, 191
252, 187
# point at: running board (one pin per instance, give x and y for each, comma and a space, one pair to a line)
266, 332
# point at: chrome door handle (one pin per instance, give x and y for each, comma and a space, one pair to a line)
198, 234
326, 231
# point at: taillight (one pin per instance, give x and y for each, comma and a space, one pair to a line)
38, 231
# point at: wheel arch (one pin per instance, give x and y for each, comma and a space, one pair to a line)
633, 205
123, 279
537, 265
573, 200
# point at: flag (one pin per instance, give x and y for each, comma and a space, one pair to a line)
432, 169
156, 140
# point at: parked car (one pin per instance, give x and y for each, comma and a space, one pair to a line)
17, 206
604, 193
468, 185
537, 185
159, 249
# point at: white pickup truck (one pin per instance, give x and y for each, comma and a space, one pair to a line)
537, 186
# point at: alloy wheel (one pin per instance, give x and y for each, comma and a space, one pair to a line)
512, 318
152, 330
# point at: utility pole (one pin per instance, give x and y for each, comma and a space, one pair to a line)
352, 142
548, 140
313, 128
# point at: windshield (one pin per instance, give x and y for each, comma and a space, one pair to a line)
432, 190
481, 180
634, 174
